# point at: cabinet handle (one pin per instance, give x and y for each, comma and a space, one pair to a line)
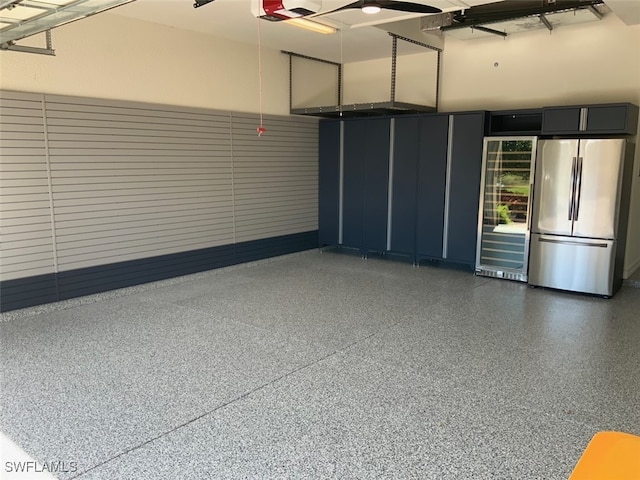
572, 187
569, 242
578, 189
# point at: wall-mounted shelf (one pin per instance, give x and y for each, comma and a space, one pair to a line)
363, 110
515, 122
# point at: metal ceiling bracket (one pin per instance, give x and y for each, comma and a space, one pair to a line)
394, 63
48, 50
595, 11
8, 4
320, 60
489, 30
546, 22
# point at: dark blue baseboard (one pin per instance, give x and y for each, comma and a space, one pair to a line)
37, 290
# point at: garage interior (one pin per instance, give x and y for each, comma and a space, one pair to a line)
166, 311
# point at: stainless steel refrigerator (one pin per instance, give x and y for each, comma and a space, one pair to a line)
580, 210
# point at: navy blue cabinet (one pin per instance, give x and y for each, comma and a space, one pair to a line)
465, 169
602, 119
419, 179
432, 182
329, 183
406, 156
435, 185
437, 163
366, 183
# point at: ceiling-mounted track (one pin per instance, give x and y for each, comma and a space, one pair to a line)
23, 18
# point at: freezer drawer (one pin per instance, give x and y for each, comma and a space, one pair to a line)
574, 264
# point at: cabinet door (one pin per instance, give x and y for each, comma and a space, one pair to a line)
432, 167
376, 202
609, 119
354, 141
405, 182
366, 184
464, 187
329, 182
560, 120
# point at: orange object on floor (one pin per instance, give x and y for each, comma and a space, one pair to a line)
609, 456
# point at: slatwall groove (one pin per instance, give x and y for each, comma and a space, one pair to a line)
126, 194
23, 236
38, 221
137, 219
106, 258
141, 120
79, 125
88, 199
96, 234
25, 219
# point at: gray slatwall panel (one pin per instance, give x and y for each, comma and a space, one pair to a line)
135, 180
26, 239
275, 176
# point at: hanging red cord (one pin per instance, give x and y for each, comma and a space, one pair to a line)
261, 130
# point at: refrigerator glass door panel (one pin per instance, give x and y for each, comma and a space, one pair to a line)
503, 230
570, 263
597, 188
555, 181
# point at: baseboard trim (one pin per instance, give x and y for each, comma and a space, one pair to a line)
631, 269
41, 289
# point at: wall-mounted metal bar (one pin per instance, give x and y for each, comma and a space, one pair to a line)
438, 75
307, 57
340, 84
290, 82
546, 22
24, 49
394, 64
489, 30
415, 42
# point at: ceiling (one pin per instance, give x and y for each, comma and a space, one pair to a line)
359, 37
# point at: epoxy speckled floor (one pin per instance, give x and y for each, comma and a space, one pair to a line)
321, 365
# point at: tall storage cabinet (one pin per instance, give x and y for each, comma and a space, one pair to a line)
419, 180
366, 183
329, 183
408, 185
432, 186
466, 136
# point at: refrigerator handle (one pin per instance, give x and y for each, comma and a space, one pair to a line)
572, 188
576, 208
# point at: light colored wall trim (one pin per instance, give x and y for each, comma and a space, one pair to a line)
54, 247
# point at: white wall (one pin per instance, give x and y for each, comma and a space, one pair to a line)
109, 56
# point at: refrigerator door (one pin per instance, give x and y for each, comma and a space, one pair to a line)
555, 179
570, 263
598, 182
